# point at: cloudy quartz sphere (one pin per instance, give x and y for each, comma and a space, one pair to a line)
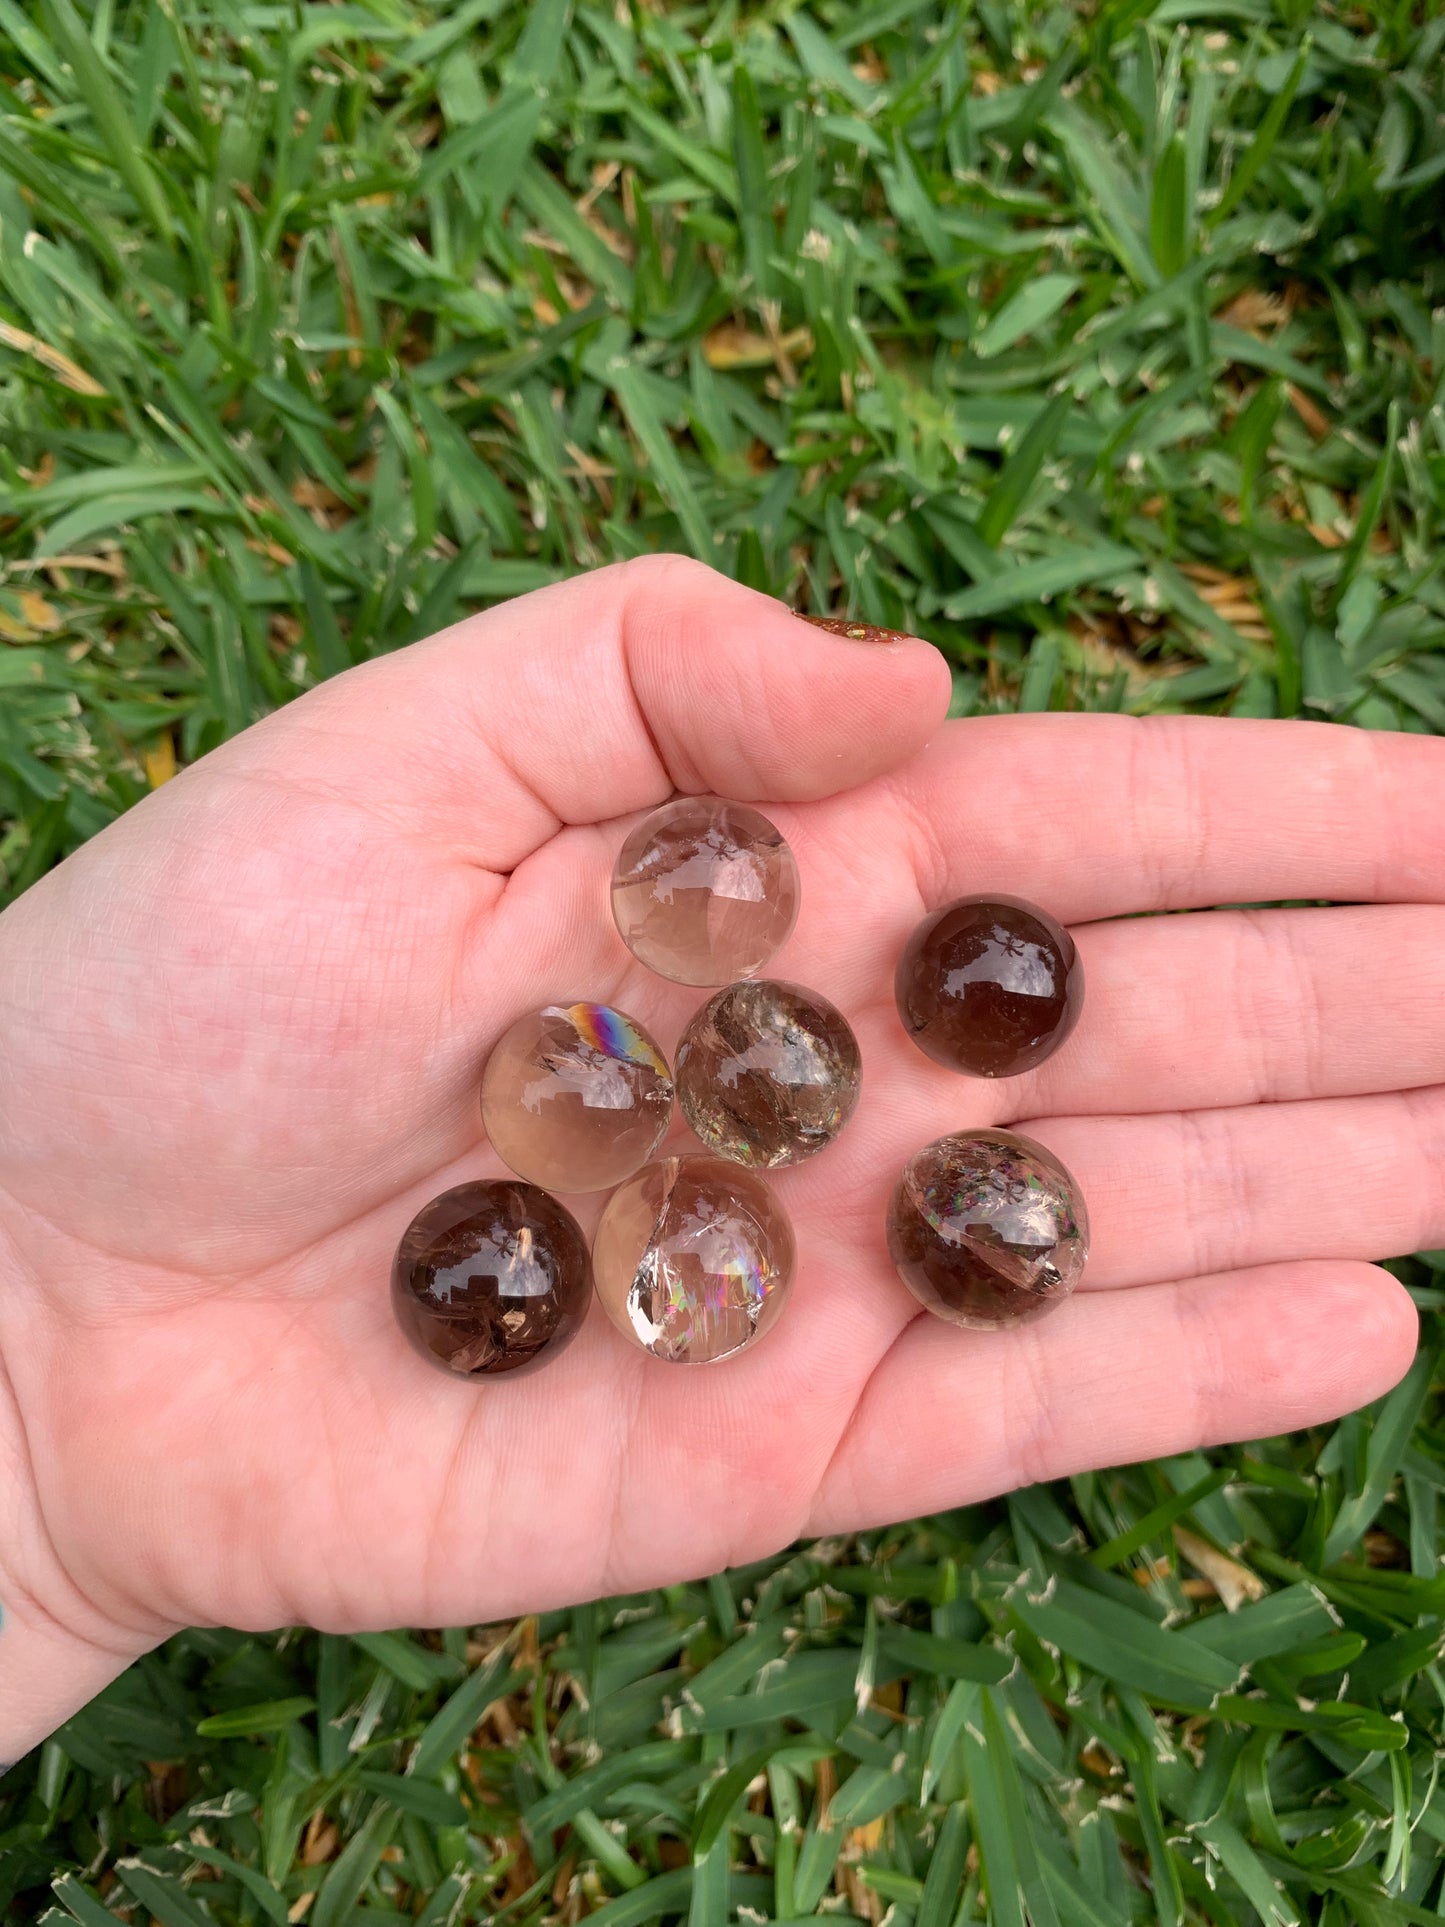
491, 1279
705, 891
987, 1229
693, 1259
989, 985
576, 1096
767, 1072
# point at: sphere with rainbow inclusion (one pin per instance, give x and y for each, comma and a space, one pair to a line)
987, 1229
693, 1259
705, 891
576, 1097
491, 1279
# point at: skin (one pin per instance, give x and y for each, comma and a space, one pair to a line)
241, 1034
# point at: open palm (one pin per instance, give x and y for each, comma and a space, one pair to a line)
240, 1041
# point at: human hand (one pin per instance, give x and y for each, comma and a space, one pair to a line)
241, 1035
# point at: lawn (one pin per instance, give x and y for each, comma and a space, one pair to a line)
1103, 345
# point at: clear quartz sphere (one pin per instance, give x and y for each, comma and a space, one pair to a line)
705, 891
767, 1072
693, 1259
987, 1229
576, 1096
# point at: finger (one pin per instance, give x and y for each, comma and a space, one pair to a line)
1247, 1007
949, 1417
606, 693
1171, 1194
1108, 816
1184, 1195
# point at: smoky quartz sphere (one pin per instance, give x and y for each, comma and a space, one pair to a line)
767, 1072
576, 1097
491, 1279
693, 1259
705, 891
987, 1229
989, 985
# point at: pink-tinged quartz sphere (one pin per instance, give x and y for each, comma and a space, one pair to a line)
576, 1097
704, 891
987, 1229
693, 1258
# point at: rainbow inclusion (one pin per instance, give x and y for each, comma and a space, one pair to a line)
987, 1229
693, 1259
609, 1032
1005, 1203
575, 1097
702, 1282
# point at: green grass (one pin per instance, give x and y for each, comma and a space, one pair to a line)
1107, 348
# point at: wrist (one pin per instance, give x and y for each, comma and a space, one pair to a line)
57, 1651
47, 1674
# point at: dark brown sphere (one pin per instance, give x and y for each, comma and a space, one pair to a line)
987, 1229
989, 985
491, 1278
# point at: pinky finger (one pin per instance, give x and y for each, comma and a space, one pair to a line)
949, 1417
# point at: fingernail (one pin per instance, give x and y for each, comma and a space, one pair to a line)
853, 631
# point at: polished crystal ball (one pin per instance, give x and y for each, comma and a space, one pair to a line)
491, 1279
693, 1259
576, 1097
767, 1072
705, 891
987, 1229
989, 985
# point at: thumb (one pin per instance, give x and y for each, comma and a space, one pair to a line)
605, 693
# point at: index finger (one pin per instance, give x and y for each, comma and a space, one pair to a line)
1104, 816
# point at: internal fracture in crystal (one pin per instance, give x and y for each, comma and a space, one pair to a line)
987, 1229
693, 1259
767, 1072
